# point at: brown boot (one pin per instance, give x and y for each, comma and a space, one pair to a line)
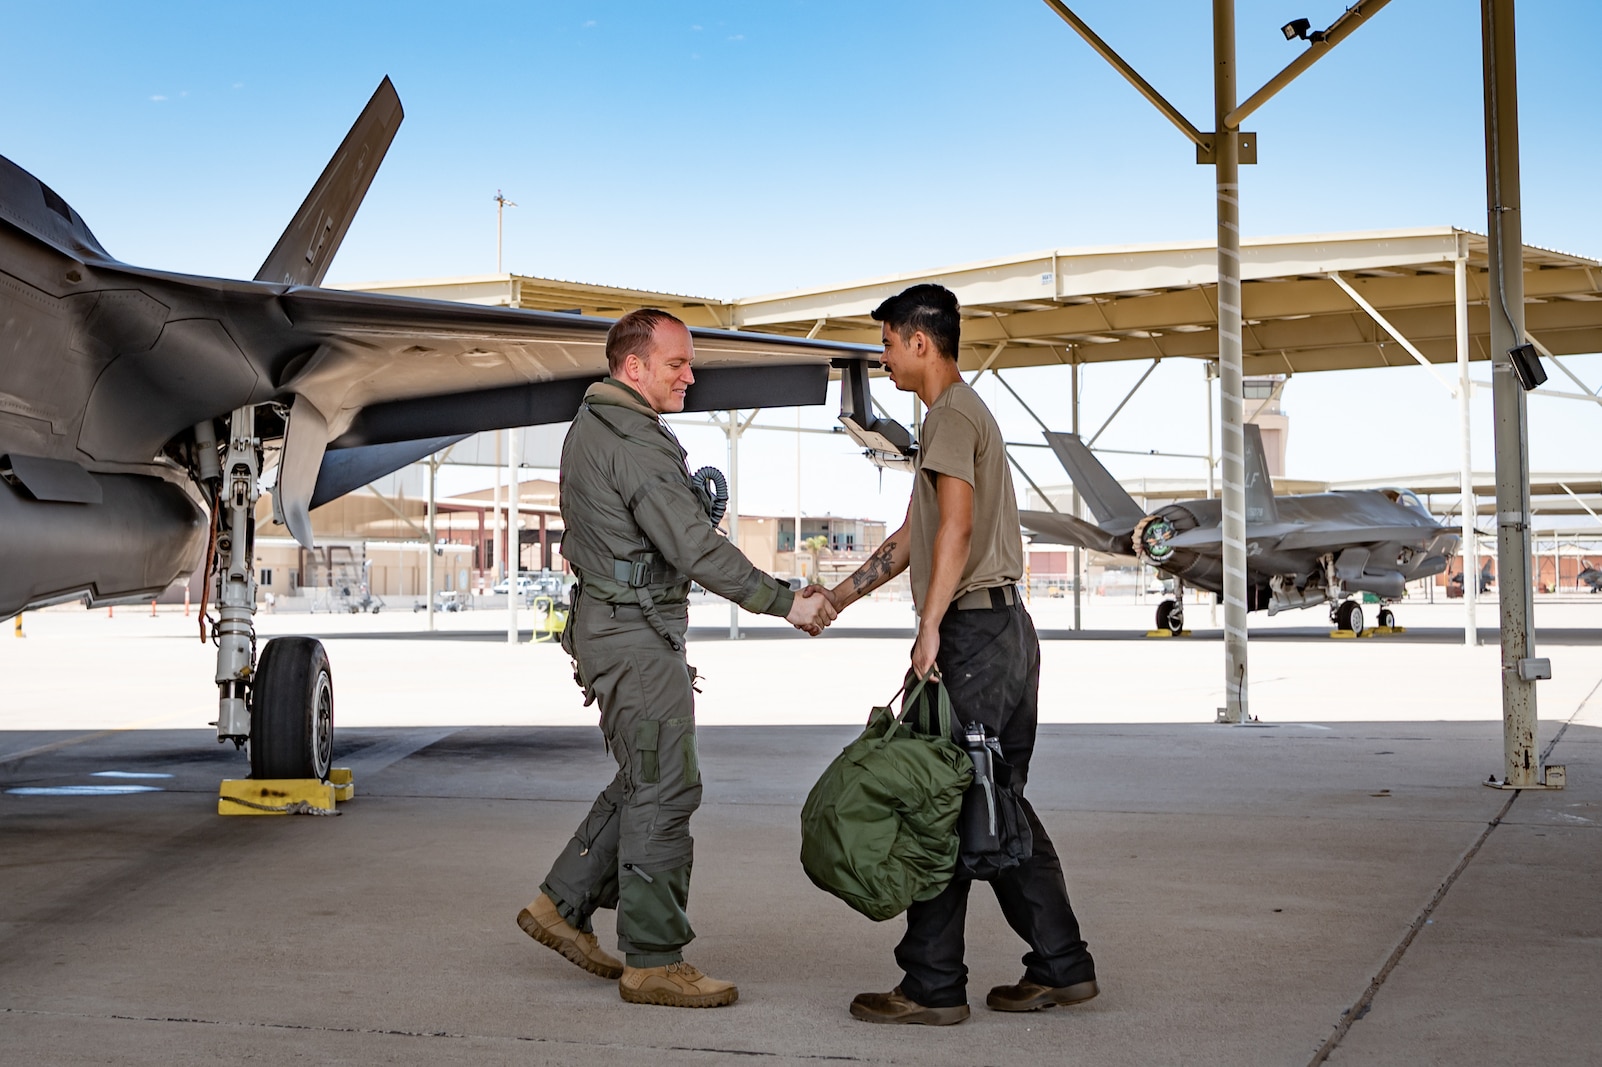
541, 921
1029, 996
677, 985
894, 1007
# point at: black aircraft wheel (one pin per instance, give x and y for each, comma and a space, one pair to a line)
1350, 617
292, 711
1169, 617
1386, 619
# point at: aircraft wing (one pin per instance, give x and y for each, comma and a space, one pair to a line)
372, 357
1053, 527
386, 370
1334, 535
1298, 537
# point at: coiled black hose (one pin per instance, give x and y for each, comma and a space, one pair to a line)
716, 487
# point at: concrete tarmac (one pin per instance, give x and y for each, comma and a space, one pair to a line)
1335, 886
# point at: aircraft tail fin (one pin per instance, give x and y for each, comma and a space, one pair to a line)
303, 254
1260, 506
1101, 492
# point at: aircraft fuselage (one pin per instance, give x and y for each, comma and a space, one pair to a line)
1281, 574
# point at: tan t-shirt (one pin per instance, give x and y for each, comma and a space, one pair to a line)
960, 438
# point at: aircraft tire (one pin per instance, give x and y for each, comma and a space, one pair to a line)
1350, 616
1169, 617
1386, 618
292, 711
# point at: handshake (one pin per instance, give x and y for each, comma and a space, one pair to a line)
814, 609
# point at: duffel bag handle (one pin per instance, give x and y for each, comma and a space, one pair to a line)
915, 699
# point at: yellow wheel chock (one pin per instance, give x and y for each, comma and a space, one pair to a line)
285, 796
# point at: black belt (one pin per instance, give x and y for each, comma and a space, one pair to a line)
994, 597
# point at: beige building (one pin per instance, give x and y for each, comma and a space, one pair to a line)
770, 543
372, 543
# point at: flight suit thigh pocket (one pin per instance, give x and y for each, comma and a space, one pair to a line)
692, 760
647, 739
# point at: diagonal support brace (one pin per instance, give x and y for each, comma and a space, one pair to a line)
1385, 325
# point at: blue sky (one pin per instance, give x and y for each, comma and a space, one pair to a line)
729, 149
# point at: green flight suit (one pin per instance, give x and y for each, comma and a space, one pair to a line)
637, 533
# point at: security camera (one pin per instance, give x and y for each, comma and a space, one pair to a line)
1527, 366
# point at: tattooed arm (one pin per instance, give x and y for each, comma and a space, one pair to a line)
887, 561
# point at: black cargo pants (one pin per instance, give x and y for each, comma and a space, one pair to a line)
990, 665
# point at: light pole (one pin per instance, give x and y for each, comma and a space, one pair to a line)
514, 540
501, 204
431, 470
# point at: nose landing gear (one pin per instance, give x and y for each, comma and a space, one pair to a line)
282, 702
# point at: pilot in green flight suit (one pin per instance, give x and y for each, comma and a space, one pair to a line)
637, 531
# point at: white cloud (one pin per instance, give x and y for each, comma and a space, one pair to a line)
590, 25
738, 37
158, 98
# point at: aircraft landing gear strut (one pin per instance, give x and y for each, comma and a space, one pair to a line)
283, 705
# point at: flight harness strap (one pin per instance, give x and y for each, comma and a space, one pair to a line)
636, 574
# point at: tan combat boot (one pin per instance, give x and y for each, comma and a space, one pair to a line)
541, 921
677, 985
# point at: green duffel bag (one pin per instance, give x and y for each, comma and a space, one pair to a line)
879, 830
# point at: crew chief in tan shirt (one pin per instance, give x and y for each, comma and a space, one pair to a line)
962, 541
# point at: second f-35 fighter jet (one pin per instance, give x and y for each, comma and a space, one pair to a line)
1301, 551
139, 409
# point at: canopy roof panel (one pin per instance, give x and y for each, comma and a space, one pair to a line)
1142, 302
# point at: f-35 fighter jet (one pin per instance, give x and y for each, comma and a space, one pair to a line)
1301, 551
139, 407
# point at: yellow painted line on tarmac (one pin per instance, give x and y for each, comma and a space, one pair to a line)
54, 746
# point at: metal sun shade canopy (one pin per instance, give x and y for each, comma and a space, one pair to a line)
1145, 302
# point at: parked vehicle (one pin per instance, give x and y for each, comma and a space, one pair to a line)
449, 600
540, 583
